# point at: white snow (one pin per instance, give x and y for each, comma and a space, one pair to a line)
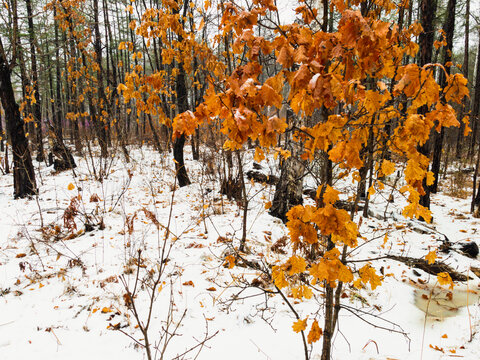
51, 299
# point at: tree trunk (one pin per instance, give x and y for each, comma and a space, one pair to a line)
58, 91
428, 9
476, 99
465, 68
289, 189
437, 158
448, 28
179, 143
331, 316
182, 106
475, 104
156, 139
63, 156
37, 110
2, 136
101, 124
23, 173
475, 116
182, 176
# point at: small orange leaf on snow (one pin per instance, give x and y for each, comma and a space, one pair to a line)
444, 336
445, 279
230, 261
430, 257
188, 283
268, 205
106, 310
21, 255
211, 289
70, 186
435, 347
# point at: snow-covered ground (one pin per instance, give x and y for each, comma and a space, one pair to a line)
63, 292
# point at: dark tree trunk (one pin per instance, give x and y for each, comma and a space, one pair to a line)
465, 69
37, 110
476, 99
182, 176
2, 147
179, 143
332, 301
289, 189
23, 173
101, 124
428, 9
195, 138
475, 104
58, 84
156, 139
113, 78
63, 156
437, 158
448, 28
475, 118
182, 105
369, 165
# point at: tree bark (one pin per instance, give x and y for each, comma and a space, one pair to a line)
475, 116
331, 315
465, 69
428, 9
101, 124
64, 159
289, 189
448, 28
2, 147
182, 105
178, 145
23, 173
37, 110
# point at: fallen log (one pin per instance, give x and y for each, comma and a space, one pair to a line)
433, 269
260, 177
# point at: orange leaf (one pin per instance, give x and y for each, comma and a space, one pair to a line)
330, 195
315, 333
278, 276
70, 186
431, 256
388, 167
230, 261
445, 279
299, 325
